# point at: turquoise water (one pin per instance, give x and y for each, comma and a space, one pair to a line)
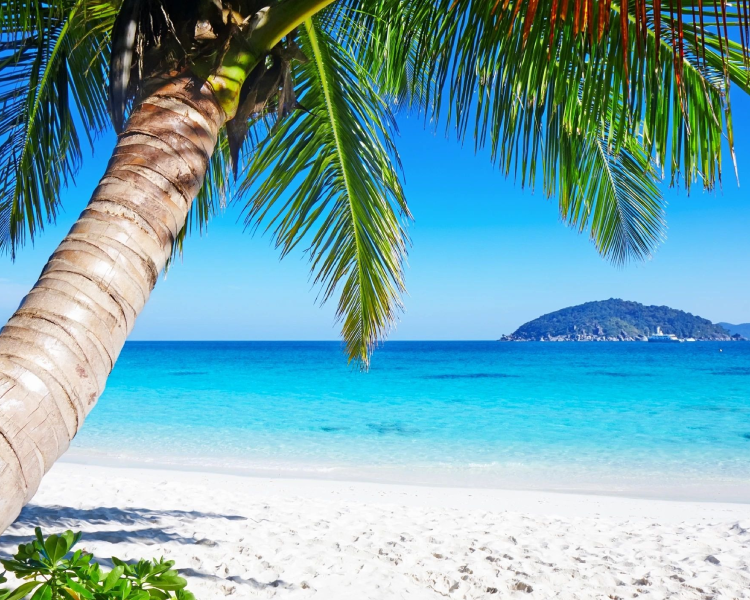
632, 418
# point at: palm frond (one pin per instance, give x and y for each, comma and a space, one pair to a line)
52, 84
604, 186
613, 195
328, 175
493, 65
497, 72
391, 59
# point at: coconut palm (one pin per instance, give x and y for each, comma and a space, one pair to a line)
287, 106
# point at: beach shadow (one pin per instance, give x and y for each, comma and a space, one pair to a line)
251, 582
65, 516
53, 519
260, 585
146, 536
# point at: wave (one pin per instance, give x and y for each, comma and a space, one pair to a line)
619, 374
393, 428
470, 376
188, 373
732, 371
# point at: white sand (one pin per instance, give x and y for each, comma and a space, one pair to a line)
249, 537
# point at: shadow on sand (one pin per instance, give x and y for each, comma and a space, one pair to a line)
93, 522
65, 516
251, 582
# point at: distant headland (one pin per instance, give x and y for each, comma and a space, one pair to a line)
616, 320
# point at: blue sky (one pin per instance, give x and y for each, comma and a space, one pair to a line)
486, 257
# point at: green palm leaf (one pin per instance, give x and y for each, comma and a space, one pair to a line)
52, 77
518, 81
486, 66
612, 195
328, 175
605, 187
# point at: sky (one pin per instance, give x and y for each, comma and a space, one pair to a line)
486, 257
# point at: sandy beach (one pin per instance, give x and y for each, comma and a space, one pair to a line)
247, 537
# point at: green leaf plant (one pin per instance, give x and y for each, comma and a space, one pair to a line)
49, 569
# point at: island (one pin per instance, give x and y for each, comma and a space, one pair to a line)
741, 329
616, 320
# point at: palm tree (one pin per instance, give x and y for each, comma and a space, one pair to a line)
599, 99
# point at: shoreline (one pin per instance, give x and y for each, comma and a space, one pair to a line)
570, 504
248, 537
708, 490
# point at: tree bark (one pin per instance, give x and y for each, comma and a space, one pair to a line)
58, 349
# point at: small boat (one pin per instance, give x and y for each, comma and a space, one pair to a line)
660, 337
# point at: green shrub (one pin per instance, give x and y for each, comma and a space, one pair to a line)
50, 572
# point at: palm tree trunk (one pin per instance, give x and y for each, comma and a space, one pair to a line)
61, 344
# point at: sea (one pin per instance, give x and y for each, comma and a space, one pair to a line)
634, 419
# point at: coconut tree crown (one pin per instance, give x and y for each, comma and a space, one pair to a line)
599, 99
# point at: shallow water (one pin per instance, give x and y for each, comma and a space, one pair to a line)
632, 418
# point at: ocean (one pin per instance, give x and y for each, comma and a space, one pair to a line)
656, 420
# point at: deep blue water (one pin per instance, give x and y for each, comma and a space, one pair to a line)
612, 417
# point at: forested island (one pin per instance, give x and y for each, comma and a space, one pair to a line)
742, 329
617, 320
